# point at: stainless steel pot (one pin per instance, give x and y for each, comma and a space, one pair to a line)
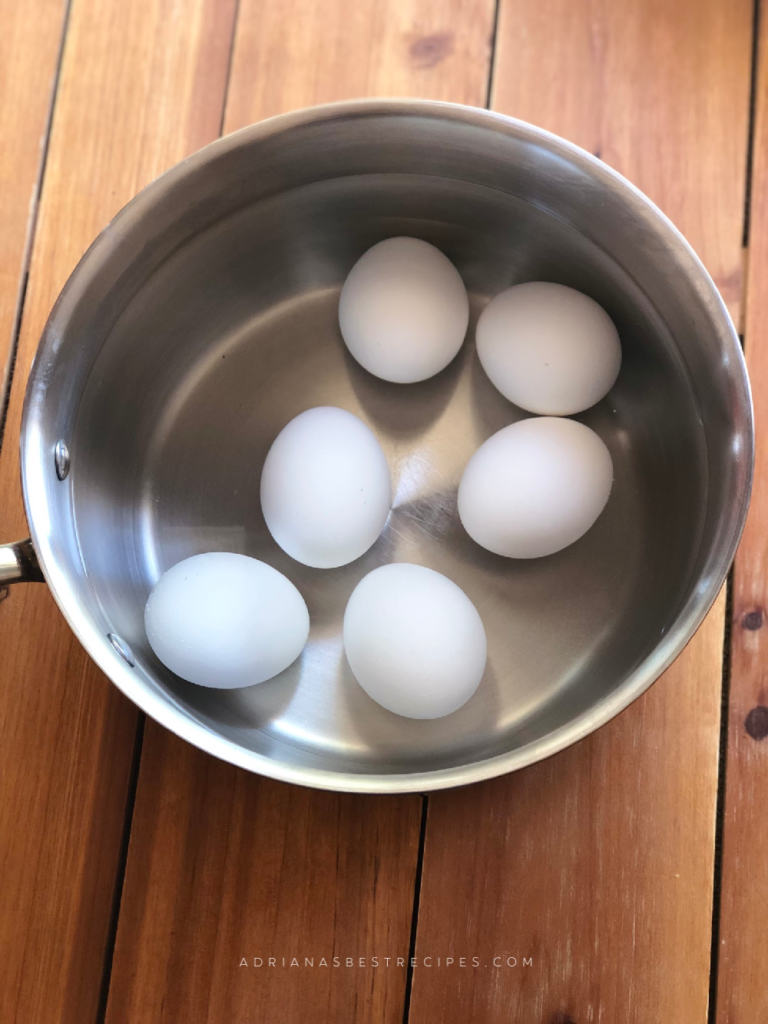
204, 317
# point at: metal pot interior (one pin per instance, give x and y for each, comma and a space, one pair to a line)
206, 319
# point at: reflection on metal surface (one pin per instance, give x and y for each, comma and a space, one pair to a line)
18, 563
61, 460
122, 649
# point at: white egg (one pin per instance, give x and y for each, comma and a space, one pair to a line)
548, 348
326, 489
535, 487
414, 641
404, 310
226, 621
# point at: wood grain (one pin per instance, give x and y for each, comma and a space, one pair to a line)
598, 864
141, 85
741, 985
29, 48
222, 865
299, 53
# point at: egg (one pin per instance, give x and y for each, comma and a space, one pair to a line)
548, 348
225, 620
326, 489
535, 487
414, 641
403, 310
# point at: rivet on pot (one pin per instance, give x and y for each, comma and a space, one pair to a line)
122, 648
61, 458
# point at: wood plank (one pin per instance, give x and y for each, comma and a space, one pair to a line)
742, 992
141, 85
299, 53
240, 865
225, 866
29, 51
598, 864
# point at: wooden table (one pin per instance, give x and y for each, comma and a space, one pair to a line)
139, 878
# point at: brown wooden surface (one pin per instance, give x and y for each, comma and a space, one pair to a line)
29, 49
225, 866
599, 863
742, 982
141, 85
300, 52
344, 882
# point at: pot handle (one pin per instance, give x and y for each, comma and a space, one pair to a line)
18, 563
